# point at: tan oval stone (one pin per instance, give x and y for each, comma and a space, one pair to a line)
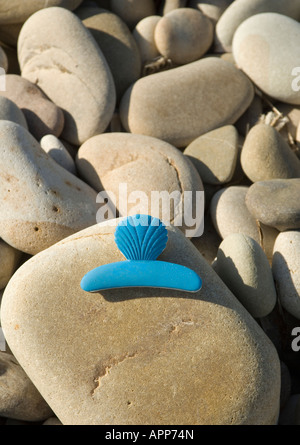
152, 108
147, 167
14, 11
276, 203
265, 47
266, 155
183, 35
116, 43
214, 154
240, 10
58, 53
205, 360
42, 116
40, 202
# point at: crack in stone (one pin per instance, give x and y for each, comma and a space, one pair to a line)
106, 368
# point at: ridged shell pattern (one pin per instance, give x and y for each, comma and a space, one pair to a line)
141, 237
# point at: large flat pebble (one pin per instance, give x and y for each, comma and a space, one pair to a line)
204, 358
183, 103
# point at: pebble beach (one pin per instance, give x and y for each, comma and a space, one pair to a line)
106, 105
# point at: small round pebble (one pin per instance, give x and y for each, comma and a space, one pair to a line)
245, 269
286, 270
184, 35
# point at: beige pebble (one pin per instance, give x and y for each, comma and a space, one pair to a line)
19, 399
214, 154
143, 34
275, 202
116, 43
152, 108
266, 155
204, 347
245, 269
144, 165
132, 11
42, 116
265, 47
41, 202
60, 55
14, 11
183, 35
240, 10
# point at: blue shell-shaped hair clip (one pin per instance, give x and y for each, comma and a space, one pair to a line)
141, 239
